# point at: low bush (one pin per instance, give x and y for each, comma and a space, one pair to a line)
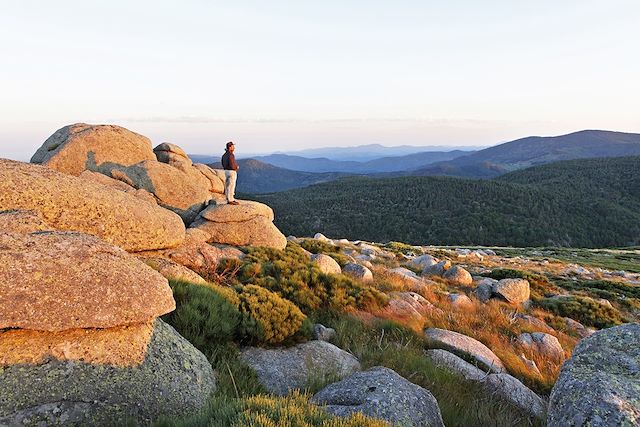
585, 310
203, 315
266, 317
292, 275
319, 247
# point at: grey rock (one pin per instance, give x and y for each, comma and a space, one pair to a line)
484, 291
326, 264
322, 333
464, 346
515, 291
423, 261
500, 385
381, 393
458, 275
358, 272
600, 384
437, 269
282, 370
174, 380
543, 343
460, 302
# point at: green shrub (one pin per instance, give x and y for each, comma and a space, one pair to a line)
401, 248
203, 315
585, 310
266, 317
341, 259
293, 276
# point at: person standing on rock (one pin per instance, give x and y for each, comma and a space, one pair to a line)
230, 167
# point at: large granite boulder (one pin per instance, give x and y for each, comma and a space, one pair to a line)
499, 385
196, 254
69, 203
464, 346
53, 281
282, 370
183, 193
381, 393
247, 224
174, 379
423, 261
437, 269
118, 185
78, 147
600, 384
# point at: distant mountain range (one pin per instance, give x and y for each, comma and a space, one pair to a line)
363, 153
536, 150
288, 171
259, 177
578, 203
385, 164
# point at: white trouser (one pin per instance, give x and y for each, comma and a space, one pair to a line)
230, 184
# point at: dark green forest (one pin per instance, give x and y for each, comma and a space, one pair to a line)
578, 203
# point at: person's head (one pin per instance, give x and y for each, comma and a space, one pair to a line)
231, 147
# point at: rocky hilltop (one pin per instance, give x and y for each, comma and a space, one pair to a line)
131, 293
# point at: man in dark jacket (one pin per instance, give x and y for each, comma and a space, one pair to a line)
230, 167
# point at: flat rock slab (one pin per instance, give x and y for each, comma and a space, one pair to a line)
282, 370
258, 231
118, 346
466, 347
245, 211
52, 281
381, 393
70, 203
78, 147
502, 385
172, 270
175, 379
600, 384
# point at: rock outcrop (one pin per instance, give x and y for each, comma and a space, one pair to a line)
80, 342
282, 370
54, 281
600, 384
466, 347
79, 147
543, 343
247, 224
172, 270
381, 393
173, 379
69, 203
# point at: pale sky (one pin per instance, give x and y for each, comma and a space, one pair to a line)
286, 75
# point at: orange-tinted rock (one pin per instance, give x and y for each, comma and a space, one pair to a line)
118, 185
118, 346
22, 221
69, 203
78, 147
53, 281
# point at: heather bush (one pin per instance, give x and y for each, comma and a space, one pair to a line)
266, 317
319, 247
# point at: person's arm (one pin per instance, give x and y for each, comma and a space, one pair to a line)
232, 162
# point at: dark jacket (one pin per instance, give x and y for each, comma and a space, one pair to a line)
229, 161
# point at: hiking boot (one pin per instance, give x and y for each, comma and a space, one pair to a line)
233, 202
